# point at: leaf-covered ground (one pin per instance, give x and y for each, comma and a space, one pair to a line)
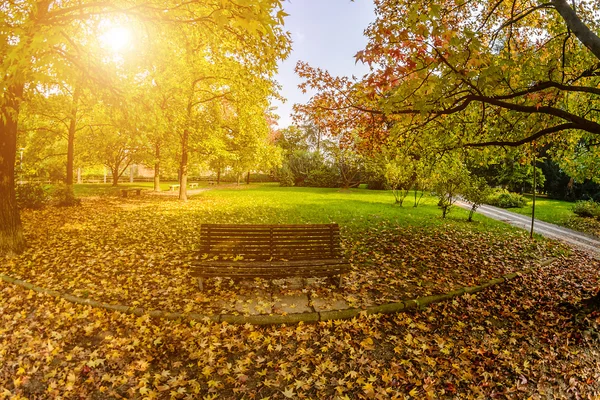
137, 252
515, 341
512, 341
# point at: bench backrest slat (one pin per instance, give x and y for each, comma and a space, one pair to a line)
293, 242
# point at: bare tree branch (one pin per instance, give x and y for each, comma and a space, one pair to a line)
528, 139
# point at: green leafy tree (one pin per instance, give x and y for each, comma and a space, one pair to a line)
450, 180
476, 191
117, 143
349, 163
291, 139
400, 177
42, 42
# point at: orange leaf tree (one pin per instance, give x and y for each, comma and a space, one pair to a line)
451, 74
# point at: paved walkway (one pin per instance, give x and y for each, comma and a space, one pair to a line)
569, 236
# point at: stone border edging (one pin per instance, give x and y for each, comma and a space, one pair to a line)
274, 319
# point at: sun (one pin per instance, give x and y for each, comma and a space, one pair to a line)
117, 39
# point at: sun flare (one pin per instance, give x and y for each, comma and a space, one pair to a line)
116, 39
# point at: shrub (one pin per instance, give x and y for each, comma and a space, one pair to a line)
377, 184
588, 209
323, 177
373, 175
286, 177
301, 164
505, 199
476, 192
63, 196
448, 185
31, 195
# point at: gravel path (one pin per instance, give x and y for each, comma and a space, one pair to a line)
569, 236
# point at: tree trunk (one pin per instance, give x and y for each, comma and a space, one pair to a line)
11, 230
70, 195
248, 178
115, 176
318, 141
471, 212
580, 29
219, 176
157, 169
184, 166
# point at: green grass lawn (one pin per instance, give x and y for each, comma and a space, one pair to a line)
549, 210
355, 209
270, 203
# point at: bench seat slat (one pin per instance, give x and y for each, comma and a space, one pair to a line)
268, 226
266, 270
238, 245
261, 235
278, 263
230, 250
241, 240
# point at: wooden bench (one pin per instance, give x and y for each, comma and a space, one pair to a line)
173, 187
269, 251
210, 183
124, 192
193, 185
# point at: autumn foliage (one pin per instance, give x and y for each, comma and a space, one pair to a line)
450, 75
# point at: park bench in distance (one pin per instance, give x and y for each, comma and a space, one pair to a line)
269, 251
124, 192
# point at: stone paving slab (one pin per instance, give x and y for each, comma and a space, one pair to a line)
254, 305
257, 303
363, 301
326, 304
291, 304
289, 283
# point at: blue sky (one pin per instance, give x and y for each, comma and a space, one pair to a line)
326, 34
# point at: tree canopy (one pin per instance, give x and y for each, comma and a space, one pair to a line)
182, 58
453, 74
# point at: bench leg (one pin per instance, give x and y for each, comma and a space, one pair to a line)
339, 283
201, 284
123, 193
